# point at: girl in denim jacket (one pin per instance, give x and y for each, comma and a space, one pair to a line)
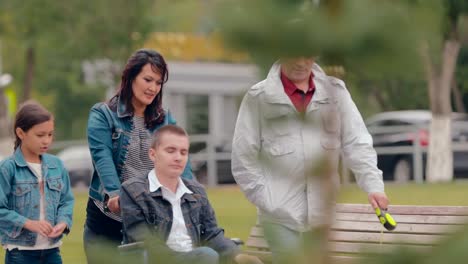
36, 201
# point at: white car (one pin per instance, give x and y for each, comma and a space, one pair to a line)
78, 162
399, 166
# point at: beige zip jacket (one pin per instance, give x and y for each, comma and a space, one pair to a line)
276, 151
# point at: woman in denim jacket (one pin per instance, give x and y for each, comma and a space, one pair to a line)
119, 137
36, 201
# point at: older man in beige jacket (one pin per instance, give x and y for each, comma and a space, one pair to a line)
286, 125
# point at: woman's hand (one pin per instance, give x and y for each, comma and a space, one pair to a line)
41, 227
57, 230
114, 204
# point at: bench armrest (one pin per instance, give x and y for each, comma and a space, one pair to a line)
237, 241
131, 246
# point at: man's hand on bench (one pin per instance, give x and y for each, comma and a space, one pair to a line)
378, 200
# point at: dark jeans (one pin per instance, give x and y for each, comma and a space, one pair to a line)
46, 256
101, 237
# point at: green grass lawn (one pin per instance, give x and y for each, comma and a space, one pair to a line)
414, 194
236, 215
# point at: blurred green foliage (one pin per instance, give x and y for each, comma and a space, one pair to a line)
378, 42
183, 16
372, 38
61, 35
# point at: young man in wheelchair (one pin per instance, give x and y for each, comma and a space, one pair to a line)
173, 216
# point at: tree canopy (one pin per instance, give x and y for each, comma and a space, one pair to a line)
46, 42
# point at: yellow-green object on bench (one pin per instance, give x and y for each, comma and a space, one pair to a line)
386, 219
356, 232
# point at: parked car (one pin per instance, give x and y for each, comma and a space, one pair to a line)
224, 174
78, 162
399, 167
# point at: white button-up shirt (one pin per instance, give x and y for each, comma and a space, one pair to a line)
179, 239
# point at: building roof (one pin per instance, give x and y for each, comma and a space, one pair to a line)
211, 77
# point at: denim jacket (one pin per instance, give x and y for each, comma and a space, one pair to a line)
20, 197
147, 215
109, 130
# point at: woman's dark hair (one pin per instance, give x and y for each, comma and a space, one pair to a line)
154, 112
30, 114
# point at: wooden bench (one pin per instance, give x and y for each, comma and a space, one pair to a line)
357, 232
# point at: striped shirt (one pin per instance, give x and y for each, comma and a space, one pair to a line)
138, 163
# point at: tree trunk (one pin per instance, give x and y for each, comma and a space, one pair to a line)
378, 96
4, 124
29, 75
440, 156
457, 96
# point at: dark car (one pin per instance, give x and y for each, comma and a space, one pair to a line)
405, 128
78, 162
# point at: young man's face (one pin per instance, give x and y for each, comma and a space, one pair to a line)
297, 69
170, 155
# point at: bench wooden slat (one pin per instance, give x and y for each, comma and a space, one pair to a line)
345, 259
402, 228
266, 256
368, 238
256, 231
258, 243
423, 219
359, 248
385, 238
405, 209
343, 247
428, 229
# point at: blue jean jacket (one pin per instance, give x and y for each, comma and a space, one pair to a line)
20, 197
109, 130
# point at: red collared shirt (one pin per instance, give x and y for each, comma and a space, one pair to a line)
299, 98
